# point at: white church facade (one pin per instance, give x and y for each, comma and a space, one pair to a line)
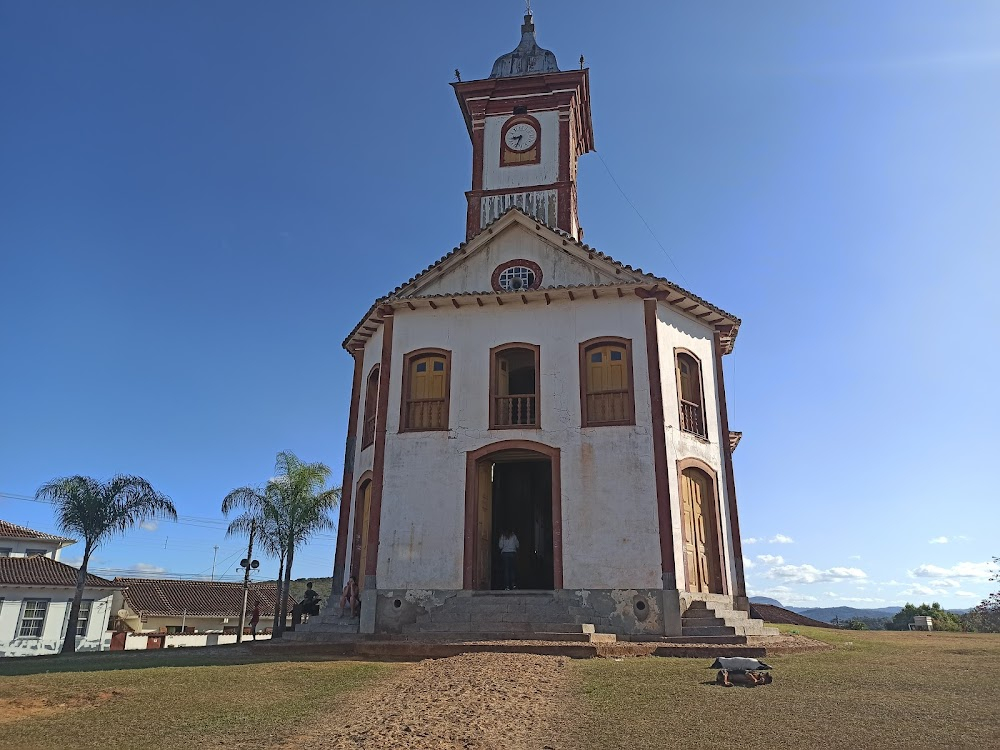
528, 383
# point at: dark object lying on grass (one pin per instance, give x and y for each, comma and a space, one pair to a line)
738, 664
749, 678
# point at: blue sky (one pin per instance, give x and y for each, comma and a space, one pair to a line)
198, 201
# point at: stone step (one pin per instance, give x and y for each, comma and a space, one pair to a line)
702, 622
707, 631
510, 627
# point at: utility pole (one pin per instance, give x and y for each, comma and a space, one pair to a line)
246, 581
216, 548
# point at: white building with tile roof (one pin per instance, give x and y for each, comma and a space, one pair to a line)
528, 383
36, 592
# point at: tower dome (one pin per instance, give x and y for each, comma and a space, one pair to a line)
528, 59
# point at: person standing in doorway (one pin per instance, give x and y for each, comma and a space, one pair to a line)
508, 553
254, 619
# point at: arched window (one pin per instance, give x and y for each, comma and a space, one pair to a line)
689, 393
606, 396
426, 386
371, 404
514, 386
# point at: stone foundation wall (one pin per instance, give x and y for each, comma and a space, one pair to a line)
619, 611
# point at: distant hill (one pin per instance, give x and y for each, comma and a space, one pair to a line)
767, 600
828, 614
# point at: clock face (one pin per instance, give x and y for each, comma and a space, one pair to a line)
521, 137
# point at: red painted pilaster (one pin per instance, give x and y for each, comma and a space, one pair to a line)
347, 485
378, 461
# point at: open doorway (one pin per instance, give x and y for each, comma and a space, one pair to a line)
514, 492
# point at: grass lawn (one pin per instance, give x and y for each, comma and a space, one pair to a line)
874, 689
220, 697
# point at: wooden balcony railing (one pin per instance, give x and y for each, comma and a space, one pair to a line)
608, 407
368, 431
515, 411
691, 418
425, 414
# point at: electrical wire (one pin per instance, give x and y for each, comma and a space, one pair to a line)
643, 220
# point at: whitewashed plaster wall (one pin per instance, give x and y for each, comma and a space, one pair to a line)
543, 173
475, 273
18, 547
56, 618
677, 330
610, 531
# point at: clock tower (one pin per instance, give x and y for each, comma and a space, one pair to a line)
529, 123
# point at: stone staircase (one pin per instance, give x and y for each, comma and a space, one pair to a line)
326, 626
491, 615
711, 620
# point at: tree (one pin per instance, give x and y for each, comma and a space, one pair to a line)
985, 617
259, 522
291, 508
302, 507
98, 511
943, 620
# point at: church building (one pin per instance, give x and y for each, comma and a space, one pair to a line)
528, 384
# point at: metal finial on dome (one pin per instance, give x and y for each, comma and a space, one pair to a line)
528, 58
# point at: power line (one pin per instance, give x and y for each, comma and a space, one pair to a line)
646, 223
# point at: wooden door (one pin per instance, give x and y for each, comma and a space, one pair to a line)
484, 532
701, 564
366, 498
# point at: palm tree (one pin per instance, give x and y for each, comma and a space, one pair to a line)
303, 508
98, 511
259, 522
283, 515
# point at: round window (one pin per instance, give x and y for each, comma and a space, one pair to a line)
517, 276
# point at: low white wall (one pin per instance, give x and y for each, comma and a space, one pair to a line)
139, 641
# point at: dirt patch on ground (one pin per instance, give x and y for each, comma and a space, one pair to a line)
467, 702
30, 707
787, 643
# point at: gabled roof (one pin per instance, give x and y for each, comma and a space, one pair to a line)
408, 293
159, 597
10, 530
44, 571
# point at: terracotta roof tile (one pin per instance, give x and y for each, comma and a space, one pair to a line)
646, 278
10, 530
159, 597
44, 571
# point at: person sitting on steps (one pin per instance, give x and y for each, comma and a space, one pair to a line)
310, 601
350, 597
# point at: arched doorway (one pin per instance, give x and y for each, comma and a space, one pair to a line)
703, 559
513, 486
362, 516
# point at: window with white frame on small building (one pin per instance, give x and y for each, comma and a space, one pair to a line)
81, 624
32, 618
35, 552
5, 551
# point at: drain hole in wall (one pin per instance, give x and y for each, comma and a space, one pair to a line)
397, 603
640, 608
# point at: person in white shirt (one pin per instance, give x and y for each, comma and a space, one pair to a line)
508, 553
